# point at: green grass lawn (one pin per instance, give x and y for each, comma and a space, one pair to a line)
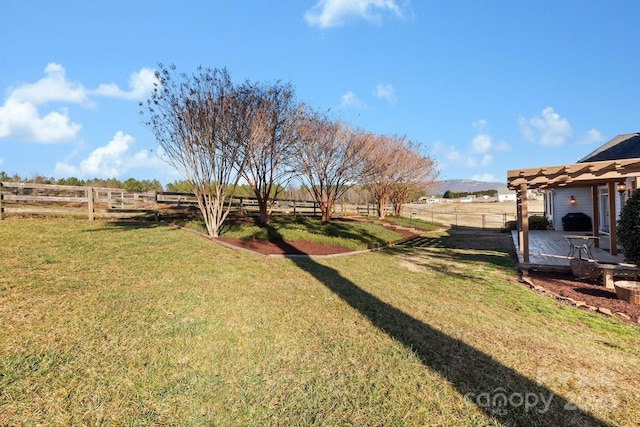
139, 323
403, 221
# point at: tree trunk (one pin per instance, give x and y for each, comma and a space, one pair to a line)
381, 207
326, 208
397, 207
264, 214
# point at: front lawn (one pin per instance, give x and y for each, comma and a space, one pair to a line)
139, 323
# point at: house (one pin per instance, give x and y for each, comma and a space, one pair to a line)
568, 200
430, 199
596, 187
506, 195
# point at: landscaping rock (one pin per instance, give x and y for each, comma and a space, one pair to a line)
586, 293
623, 316
604, 310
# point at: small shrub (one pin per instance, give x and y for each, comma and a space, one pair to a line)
510, 226
538, 222
628, 229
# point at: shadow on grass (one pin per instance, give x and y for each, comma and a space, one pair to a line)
466, 244
497, 390
336, 228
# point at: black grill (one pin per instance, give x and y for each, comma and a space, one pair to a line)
576, 221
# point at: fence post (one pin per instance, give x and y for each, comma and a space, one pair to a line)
156, 208
90, 203
1, 208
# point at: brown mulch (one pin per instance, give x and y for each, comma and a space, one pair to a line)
282, 247
591, 292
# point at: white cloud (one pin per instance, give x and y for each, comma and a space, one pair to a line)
485, 177
479, 153
548, 129
140, 83
332, 13
114, 160
108, 161
21, 121
454, 156
386, 92
472, 161
481, 143
53, 87
593, 136
350, 100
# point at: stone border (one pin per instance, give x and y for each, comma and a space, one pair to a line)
578, 304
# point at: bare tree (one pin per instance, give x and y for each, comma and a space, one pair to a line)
383, 159
397, 168
412, 170
200, 122
272, 131
328, 158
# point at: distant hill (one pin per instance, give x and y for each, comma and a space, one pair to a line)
462, 185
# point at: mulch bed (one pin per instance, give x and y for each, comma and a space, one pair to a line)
591, 292
281, 247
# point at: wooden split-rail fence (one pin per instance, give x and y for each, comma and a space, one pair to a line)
22, 198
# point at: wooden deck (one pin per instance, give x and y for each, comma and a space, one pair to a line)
549, 250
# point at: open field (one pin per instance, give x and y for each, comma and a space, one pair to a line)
485, 215
138, 323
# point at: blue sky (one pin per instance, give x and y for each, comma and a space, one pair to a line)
484, 86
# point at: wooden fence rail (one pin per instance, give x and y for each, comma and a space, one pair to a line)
20, 198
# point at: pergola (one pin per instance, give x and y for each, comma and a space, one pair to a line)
588, 174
